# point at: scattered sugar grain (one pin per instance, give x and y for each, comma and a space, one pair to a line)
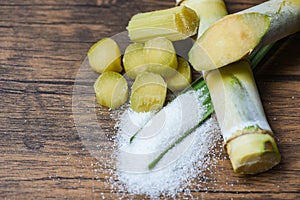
182, 164
178, 168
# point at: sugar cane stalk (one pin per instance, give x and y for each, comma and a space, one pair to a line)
237, 35
247, 135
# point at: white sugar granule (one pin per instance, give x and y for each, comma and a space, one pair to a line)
180, 165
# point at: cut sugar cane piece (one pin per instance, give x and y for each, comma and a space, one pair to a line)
176, 23
157, 55
247, 134
133, 60
284, 17
148, 92
229, 39
160, 56
105, 56
208, 11
111, 89
182, 77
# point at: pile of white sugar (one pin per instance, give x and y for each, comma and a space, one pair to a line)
175, 172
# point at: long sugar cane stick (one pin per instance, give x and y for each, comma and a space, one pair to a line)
247, 135
237, 35
246, 132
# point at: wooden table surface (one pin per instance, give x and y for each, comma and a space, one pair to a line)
42, 46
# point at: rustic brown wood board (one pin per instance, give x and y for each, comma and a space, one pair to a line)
42, 46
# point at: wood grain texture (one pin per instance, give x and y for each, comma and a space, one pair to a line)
42, 45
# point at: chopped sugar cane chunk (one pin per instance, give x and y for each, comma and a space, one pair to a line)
133, 60
176, 23
111, 90
105, 56
148, 92
182, 78
160, 56
157, 55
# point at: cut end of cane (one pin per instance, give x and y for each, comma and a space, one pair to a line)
253, 153
228, 40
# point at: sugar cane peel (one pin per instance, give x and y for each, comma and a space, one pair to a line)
239, 34
176, 23
105, 55
111, 89
148, 92
247, 134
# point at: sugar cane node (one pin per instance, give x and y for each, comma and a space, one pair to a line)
248, 130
